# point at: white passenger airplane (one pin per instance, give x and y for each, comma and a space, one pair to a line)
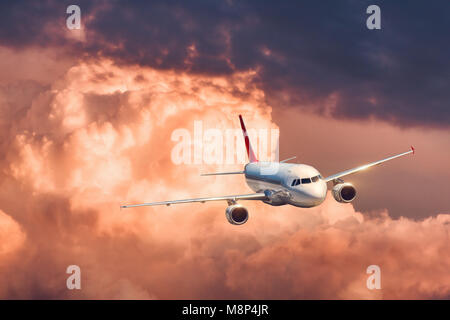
299, 185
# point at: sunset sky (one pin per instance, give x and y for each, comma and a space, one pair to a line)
87, 120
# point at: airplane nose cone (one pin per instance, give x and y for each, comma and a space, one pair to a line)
317, 195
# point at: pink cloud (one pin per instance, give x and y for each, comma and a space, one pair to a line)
101, 136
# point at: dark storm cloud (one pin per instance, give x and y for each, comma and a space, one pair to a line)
309, 54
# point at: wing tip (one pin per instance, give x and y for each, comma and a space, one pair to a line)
413, 150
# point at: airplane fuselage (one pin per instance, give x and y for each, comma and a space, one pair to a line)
299, 185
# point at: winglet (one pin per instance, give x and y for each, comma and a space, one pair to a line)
413, 150
248, 146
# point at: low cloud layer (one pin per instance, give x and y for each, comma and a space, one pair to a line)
99, 135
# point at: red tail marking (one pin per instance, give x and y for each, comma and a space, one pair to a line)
250, 153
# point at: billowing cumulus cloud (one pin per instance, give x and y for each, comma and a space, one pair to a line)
100, 134
11, 235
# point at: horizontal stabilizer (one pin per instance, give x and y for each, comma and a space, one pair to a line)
222, 173
286, 160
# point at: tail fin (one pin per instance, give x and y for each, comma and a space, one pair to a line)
248, 146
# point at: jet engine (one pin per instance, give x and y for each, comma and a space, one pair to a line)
344, 192
236, 214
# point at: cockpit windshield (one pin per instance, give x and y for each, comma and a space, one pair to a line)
296, 182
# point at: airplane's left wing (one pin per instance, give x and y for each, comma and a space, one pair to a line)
252, 196
366, 166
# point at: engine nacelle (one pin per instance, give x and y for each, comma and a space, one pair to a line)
237, 214
344, 192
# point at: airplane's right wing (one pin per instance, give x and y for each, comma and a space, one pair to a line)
252, 196
366, 166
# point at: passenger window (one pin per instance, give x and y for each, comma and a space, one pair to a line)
306, 180
315, 179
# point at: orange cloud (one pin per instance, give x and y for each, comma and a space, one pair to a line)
11, 236
101, 136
